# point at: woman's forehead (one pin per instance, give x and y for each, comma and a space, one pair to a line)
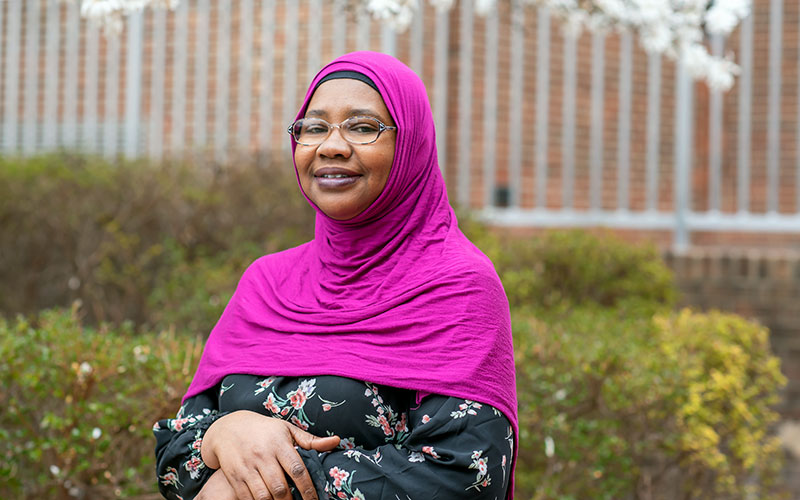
346, 96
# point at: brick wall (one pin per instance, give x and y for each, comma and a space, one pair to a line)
273, 135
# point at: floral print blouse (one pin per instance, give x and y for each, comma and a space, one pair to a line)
391, 445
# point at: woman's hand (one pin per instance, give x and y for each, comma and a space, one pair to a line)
216, 488
256, 452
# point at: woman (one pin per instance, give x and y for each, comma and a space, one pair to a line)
374, 361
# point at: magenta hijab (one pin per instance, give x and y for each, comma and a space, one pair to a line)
395, 296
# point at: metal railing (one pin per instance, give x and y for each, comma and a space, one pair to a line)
220, 75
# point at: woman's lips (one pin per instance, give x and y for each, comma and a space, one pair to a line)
335, 178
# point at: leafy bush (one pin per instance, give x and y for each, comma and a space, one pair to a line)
558, 269
614, 405
78, 404
576, 267
111, 235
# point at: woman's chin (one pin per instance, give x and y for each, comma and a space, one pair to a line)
340, 206
339, 212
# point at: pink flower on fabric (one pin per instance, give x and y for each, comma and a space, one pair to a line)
193, 464
430, 451
170, 478
266, 382
298, 399
384, 423
296, 421
338, 476
326, 407
426, 419
177, 424
270, 405
401, 425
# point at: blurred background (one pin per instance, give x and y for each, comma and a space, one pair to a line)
144, 165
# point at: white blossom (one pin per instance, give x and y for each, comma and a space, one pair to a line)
110, 13
723, 16
483, 7
549, 447
717, 72
396, 13
140, 353
54, 470
96, 433
442, 5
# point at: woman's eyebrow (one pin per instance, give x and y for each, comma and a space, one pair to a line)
350, 112
361, 111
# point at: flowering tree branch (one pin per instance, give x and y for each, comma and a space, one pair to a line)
676, 28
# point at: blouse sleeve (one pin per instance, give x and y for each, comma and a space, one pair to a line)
454, 448
179, 467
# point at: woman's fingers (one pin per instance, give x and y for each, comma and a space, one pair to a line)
257, 454
260, 491
246, 487
294, 467
217, 488
309, 441
273, 477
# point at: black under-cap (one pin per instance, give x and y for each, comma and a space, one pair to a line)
353, 75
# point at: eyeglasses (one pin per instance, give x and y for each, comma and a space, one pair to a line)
355, 130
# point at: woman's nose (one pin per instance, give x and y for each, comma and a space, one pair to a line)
335, 144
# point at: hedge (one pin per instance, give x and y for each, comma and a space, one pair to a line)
79, 403
127, 238
676, 405
611, 406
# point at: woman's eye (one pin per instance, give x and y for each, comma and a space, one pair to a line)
315, 129
363, 128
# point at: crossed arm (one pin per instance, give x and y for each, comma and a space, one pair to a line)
453, 449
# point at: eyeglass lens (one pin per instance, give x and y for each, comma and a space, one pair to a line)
357, 130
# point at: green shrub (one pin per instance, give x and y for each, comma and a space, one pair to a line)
191, 293
78, 405
729, 384
558, 269
614, 405
164, 244
111, 234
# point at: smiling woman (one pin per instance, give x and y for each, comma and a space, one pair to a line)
374, 361
343, 168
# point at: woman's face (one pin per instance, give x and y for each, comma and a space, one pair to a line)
365, 167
